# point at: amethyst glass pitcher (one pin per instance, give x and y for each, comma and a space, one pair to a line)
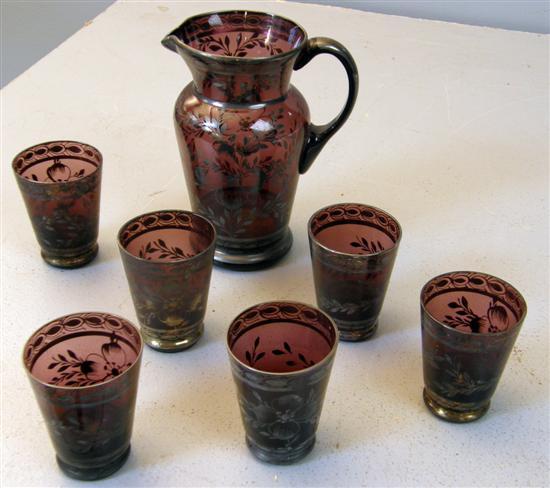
243, 131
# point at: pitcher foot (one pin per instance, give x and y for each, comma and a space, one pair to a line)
254, 259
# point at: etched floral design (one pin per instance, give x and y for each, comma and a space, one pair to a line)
240, 47
293, 358
58, 173
460, 381
235, 213
496, 319
334, 306
63, 228
247, 160
102, 431
364, 245
287, 351
235, 156
64, 211
163, 251
73, 370
208, 124
242, 156
286, 418
170, 314
253, 356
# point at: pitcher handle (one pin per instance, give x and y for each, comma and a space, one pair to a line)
318, 135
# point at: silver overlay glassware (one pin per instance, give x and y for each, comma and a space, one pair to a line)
168, 258
61, 184
244, 131
470, 322
84, 370
353, 249
281, 355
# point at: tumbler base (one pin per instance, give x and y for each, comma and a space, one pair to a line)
96, 473
274, 457
254, 258
173, 344
453, 415
70, 262
357, 332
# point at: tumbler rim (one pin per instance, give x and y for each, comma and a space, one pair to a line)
168, 263
308, 369
502, 333
58, 183
313, 238
97, 385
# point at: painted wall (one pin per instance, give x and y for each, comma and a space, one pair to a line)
526, 15
32, 28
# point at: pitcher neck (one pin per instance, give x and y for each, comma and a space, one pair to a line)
238, 83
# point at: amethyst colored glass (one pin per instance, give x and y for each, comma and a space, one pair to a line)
84, 370
168, 257
353, 248
243, 131
470, 322
60, 182
281, 354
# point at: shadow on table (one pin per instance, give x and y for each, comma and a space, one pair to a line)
374, 394
190, 417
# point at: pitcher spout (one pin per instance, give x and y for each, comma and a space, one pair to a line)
238, 56
171, 42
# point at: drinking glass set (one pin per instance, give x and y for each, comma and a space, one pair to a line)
244, 137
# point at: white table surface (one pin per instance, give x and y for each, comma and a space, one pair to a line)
449, 134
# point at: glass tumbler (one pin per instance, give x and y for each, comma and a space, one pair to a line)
470, 322
61, 182
84, 370
281, 355
168, 257
353, 249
